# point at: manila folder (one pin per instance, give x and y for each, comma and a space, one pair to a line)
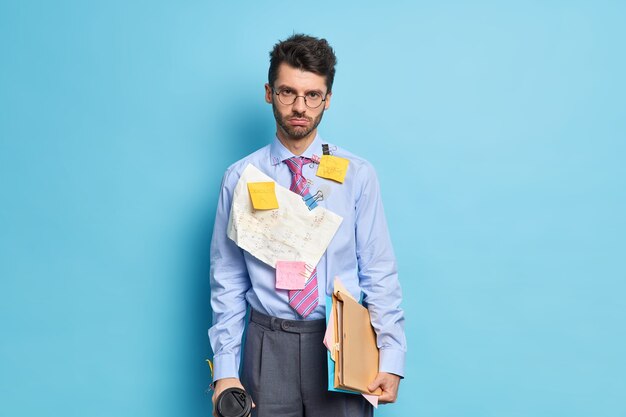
357, 347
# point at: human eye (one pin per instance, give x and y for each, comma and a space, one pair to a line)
315, 95
287, 92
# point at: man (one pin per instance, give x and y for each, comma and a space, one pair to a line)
284, 362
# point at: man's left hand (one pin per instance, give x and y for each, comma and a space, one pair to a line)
389, 383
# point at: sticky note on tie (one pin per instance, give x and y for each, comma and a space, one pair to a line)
290, 275
263, 195
333, 167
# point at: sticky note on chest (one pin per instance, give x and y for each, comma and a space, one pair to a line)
263, 195
290, 275
333, 167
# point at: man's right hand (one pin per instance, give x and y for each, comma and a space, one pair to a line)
222, 385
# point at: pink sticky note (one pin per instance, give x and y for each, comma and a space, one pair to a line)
329, 336
290, 275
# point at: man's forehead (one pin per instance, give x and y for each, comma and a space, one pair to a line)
298, 78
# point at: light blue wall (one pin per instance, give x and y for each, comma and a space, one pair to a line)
498, 132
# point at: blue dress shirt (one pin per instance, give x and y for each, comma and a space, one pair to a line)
360, 254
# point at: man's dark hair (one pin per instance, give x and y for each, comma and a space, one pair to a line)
306, 53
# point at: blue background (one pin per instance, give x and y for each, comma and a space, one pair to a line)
498, 132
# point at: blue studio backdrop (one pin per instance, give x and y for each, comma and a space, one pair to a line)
498, 133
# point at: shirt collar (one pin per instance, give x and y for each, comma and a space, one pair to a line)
278, 152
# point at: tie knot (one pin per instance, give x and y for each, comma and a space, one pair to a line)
295, 164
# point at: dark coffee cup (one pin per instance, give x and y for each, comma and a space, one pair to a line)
233, 402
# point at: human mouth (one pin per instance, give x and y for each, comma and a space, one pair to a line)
298, 122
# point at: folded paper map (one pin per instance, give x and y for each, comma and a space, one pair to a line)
291, 232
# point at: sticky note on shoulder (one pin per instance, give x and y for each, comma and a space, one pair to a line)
290, 275
263, 195
333, 167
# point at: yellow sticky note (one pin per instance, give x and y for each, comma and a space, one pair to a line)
333, 168
263, 195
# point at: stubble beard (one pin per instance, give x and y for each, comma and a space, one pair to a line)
296, 132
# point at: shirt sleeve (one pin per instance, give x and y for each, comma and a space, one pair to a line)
378, 274
229, 284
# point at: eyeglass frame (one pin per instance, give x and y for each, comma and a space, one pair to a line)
296, 98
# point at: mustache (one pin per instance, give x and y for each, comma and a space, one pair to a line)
299, 116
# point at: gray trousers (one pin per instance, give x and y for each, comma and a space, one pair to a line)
285, 371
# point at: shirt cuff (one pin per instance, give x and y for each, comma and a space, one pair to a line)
391, 361
225, 366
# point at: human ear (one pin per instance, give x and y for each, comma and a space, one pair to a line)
327, 101
268, 93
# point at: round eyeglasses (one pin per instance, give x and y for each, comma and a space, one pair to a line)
312, 99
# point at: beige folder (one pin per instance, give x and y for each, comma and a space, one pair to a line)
357, 354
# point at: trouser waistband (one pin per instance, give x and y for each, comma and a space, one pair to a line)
292, 326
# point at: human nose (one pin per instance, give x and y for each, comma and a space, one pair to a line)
299, 106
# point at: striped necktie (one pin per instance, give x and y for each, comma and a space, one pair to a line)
305, 300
